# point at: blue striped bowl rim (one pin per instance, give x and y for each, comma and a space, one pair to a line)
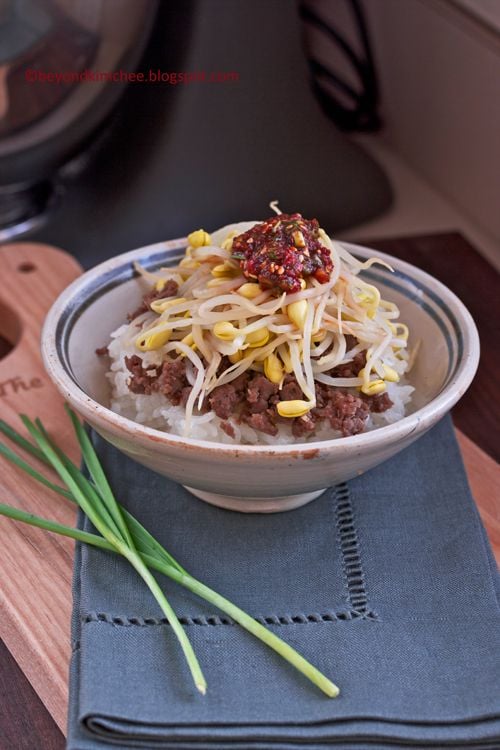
444, 307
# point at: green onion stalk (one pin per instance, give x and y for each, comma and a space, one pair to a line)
121, 533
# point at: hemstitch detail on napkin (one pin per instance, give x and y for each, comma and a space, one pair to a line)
357, 604
354, 579
214, 620
354, 582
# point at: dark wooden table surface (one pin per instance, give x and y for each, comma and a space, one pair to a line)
25, 723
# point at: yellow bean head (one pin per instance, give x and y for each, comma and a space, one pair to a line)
249, 290
291, 409
218, 281
390, 374
225, 331
224, 269
373, 388
260, 337
160, 305
200, 238
297, 312
219, 270
189, 341
273, 369
148, 341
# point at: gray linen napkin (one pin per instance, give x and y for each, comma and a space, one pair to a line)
387, 584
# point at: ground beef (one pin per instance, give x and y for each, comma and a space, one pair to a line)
252, 399
303, 426
169, 379
142, 380
240, 383
350, 369
169, 290
345, 412
172, 380
290, 390
102, 351
262, 421
259, 392
223, 400
380, 403
350, 342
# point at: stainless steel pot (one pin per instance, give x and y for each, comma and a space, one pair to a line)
44, 123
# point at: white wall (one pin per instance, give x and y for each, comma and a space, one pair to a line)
439, 68
440, 79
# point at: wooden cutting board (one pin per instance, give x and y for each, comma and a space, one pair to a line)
36, 567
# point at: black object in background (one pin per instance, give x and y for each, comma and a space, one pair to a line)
206, 154
43, 123
351, 100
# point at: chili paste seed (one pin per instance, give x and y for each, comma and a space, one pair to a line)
282, 251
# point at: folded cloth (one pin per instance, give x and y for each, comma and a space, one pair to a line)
386, 583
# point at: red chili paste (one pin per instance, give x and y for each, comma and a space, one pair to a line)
282, 251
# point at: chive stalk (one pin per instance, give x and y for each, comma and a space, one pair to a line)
106, 519
123, 534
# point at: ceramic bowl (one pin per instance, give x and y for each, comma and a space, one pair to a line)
245, 477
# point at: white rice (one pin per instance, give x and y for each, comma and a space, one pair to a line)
157, 411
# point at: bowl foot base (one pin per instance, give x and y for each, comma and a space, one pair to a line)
256, 504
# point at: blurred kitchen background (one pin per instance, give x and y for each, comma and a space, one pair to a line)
380, 117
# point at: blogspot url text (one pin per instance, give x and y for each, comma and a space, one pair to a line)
172, 78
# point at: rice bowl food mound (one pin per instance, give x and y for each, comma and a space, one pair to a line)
264, 333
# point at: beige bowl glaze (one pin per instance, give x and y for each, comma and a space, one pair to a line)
256, 478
